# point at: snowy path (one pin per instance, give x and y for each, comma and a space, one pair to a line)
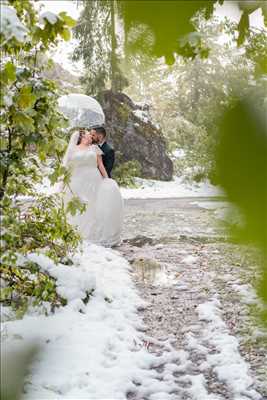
165, 326
198, 288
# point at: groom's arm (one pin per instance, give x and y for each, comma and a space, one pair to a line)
109, 160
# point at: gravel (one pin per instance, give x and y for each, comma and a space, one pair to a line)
181, 257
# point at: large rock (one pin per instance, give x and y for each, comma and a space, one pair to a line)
134, 135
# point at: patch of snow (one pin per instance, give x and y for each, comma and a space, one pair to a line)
141, 104
178, 153
223, 211
45, 186
198, 390
189, 259
211, 205
8, 100
247, 293
72, 283
142, 115
7, 313
49, 16
94, 350
10, 25
226, 361
152, 189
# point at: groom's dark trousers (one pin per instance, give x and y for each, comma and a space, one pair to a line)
108, 157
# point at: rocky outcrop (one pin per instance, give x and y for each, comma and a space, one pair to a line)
135, 137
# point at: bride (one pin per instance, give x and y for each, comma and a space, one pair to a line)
101, 222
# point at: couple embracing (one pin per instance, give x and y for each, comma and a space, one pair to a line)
89, 160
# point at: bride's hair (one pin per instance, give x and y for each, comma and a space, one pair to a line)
81, 133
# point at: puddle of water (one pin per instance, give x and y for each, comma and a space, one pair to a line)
152, 272
211, 205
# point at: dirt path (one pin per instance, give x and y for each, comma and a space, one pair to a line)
184, 266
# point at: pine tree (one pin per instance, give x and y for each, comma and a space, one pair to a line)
98, 46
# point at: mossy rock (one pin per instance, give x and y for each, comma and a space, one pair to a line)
135, 138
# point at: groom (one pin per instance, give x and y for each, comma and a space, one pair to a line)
99, 136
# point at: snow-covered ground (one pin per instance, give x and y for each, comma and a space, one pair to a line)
95, 350
149, 189
152, 189
98, 350
226, 360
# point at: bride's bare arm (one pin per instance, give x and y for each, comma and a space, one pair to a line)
101, 167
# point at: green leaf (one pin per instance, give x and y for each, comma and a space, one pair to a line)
10, 71
243, 27
169, 21
60, 144
70, 22
66, 34
26, 98
6, 293
42, 155
58, 172
8, 74
75, 205
24, 121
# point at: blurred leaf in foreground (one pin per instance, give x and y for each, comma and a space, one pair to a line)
172, 24
242, 169
168, 20
14, 368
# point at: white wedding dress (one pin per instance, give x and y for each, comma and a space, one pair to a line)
101, 223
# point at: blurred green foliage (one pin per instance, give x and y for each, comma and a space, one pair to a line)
14, 368
186, 98
242, 170
172, 27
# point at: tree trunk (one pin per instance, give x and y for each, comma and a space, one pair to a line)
113, 49
6, 169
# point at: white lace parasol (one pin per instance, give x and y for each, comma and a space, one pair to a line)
82, 111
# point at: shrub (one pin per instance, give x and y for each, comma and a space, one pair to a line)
31, 131
125, 173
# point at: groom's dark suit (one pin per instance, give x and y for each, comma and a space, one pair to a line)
108, 157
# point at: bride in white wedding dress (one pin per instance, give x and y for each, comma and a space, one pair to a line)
101, 223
